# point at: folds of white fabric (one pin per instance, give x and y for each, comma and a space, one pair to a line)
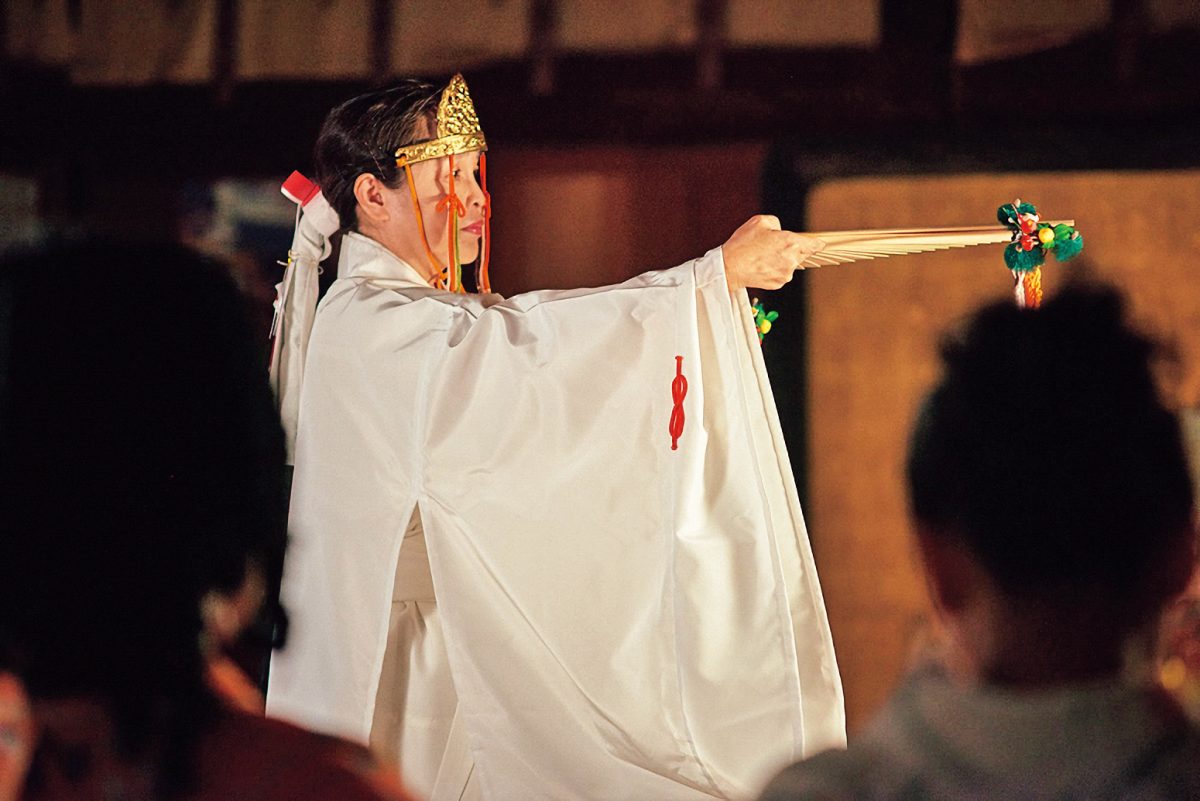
622, 620
622, 617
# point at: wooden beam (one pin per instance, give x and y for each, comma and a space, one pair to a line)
917, 43
1129, 29
380, 63
543, 43
711, 21
225, 52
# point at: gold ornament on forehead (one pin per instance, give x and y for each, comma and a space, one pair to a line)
458, 129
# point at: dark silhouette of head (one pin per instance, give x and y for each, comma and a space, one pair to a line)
1046, 450
141, 461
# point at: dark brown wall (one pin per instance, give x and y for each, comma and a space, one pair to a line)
597, 215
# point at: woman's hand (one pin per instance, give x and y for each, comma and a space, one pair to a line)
16, 737
760, 255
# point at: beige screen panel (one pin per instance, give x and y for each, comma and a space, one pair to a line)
298, 39
989, 31
145, 43
38, 31
625, 25
446, 36
804, 23
873, 332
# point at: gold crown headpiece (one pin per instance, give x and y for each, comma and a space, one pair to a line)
457, 132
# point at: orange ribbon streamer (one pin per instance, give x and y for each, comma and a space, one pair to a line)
440, 280
483, 279
1032, 284
454, 209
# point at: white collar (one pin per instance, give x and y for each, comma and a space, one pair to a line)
363, 257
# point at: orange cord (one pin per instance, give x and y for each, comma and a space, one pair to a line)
451, 200
484, 281
440, 279
454, 208
1032, 282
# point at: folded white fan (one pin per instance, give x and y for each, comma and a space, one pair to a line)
842, 247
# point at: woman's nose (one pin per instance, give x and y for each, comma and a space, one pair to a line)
474, 194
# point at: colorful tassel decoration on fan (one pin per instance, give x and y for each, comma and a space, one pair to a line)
1032, 239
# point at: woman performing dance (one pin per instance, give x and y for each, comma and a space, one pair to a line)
546, 547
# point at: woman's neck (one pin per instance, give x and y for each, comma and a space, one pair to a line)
401, 248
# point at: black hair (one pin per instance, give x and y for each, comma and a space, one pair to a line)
361, 136
1047, 449
141, 462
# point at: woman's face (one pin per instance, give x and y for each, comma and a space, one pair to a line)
431, 179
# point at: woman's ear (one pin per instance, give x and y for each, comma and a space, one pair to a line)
372, 201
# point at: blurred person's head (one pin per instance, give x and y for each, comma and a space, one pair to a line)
141, 465
1050, 489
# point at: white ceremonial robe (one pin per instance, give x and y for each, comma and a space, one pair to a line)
622, 620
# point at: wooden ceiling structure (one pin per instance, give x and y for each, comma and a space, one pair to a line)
246, 88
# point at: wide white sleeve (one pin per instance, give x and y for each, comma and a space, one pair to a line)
623, 620
355, 485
